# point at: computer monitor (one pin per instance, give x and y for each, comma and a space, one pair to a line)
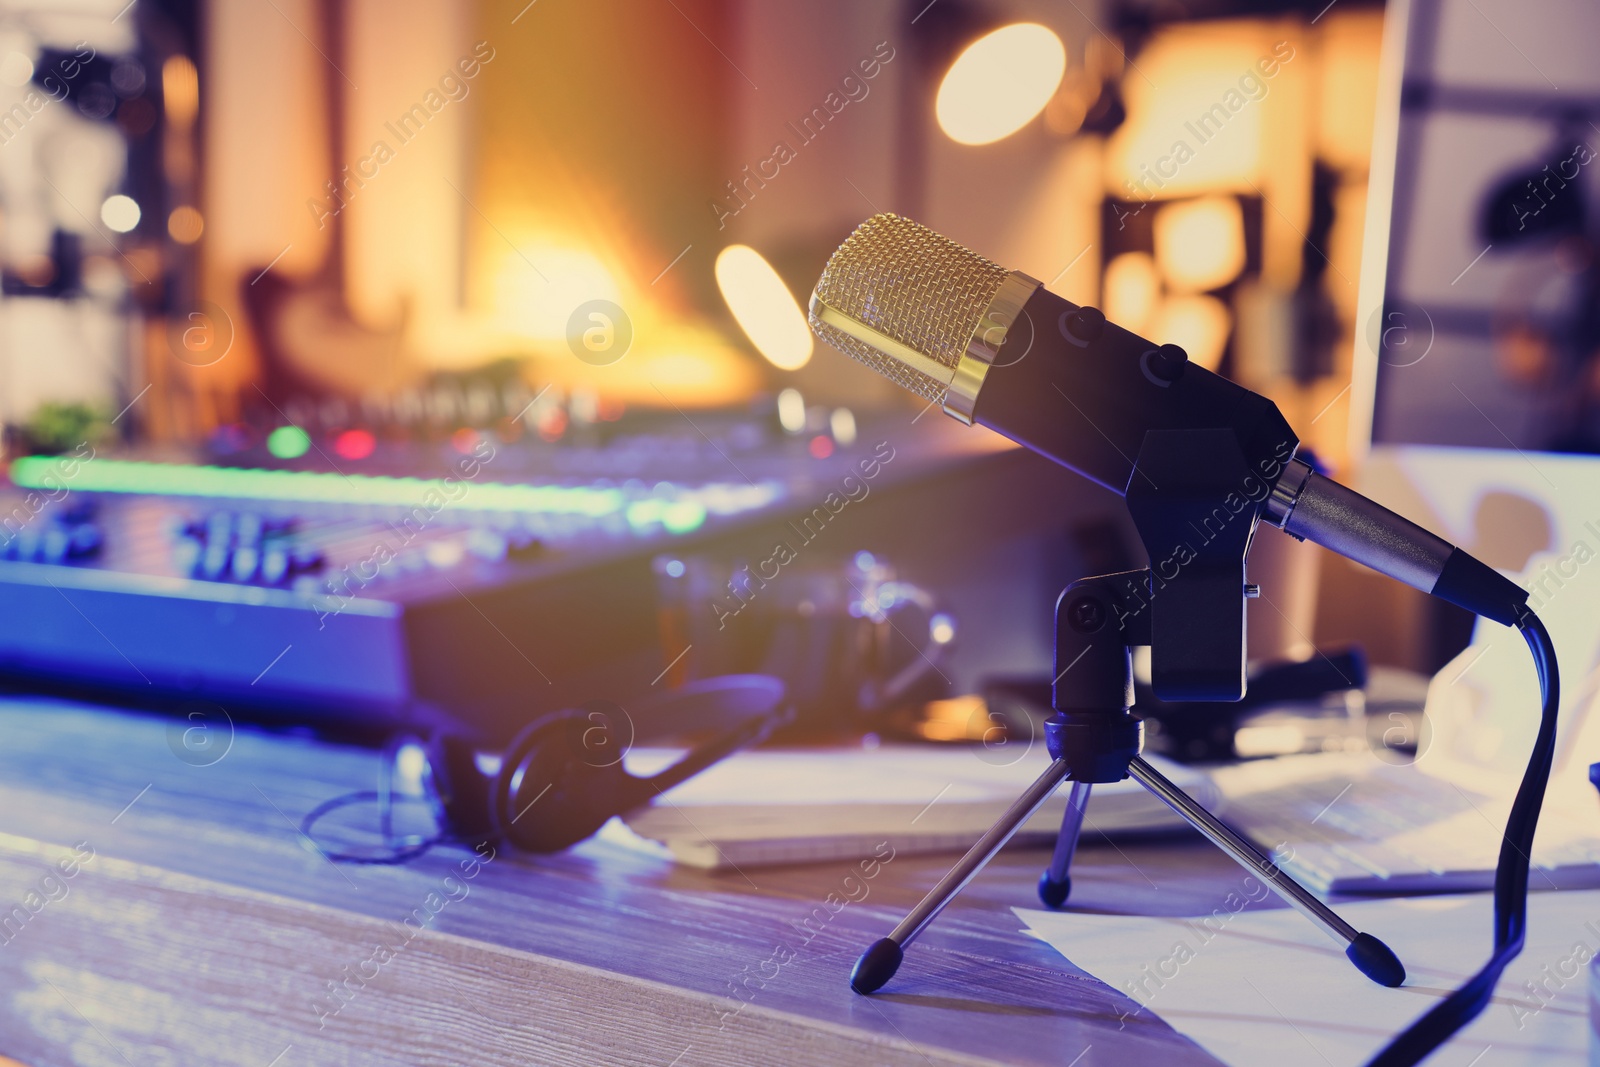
1478, 351
1479, 313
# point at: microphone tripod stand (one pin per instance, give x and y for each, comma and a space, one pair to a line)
1093, 737
1192, 616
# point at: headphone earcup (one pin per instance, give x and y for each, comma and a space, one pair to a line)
562, 777
551, 791
460, 788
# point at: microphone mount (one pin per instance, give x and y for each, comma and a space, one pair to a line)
1195, 500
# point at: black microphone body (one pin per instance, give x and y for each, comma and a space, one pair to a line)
999, 350
1084, 392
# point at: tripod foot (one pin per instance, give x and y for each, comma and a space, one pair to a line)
1052, 893
878, 964
1374, 959
1055, 884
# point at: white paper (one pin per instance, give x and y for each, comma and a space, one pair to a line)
1267, 987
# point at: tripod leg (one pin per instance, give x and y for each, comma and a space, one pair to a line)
1055, 884
878, 964
1372, 957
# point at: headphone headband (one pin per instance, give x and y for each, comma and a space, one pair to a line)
562, 777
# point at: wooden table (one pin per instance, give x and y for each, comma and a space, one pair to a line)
202, 932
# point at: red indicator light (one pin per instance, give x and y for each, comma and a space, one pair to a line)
355, 444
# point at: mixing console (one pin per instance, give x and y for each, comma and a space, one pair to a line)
516, 577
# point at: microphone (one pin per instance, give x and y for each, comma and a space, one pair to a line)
994, 348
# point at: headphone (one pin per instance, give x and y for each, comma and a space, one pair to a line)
562, 776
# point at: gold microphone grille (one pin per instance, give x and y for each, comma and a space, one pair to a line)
918, 287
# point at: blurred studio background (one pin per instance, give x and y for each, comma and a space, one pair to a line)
355, 242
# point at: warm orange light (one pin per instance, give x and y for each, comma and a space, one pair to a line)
1347, 93
185, 225
791, 410
180, 90
1197, 324
540, 284
701, 375
1000, 83
763, 306
1132, 288
1199, 243
1197, 111
669, 362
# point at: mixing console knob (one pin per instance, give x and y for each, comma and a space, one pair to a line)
26, 543
488, 545
274, 563
214, 560
246, 558
219, 528
53, 545
186, 554
84, 540
247, 528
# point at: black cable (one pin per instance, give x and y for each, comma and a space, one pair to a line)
1510, 876
396, 851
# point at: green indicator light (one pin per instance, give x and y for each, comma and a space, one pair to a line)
683, 516
235, 483
288, 442
642, 513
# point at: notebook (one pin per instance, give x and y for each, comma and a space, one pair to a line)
812, 805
